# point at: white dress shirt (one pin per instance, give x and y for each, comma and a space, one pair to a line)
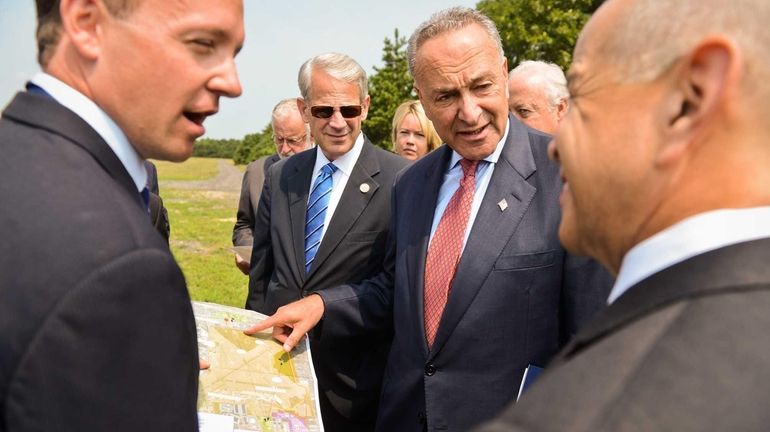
344, 164
693, 236
452, 177
86, 109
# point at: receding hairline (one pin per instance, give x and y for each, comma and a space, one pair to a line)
446, 21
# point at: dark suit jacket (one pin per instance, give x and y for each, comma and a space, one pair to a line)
251, 190
96, 327
686, 349
516, 297
349, 370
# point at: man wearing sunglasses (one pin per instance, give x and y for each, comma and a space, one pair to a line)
291, 135
322, 221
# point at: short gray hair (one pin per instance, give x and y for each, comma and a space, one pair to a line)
547, 76
338, 66
451, 19
285, 108
651, 35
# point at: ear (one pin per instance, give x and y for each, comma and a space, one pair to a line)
81, 22
703, 81
561, 108
505, 79
365, 106
302, 106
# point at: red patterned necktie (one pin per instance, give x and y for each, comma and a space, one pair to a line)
445, 248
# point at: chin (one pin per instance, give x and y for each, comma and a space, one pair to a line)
178, 153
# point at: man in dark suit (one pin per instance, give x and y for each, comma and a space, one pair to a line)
672, 192
323, 221
477, 286
291, 135
103, 337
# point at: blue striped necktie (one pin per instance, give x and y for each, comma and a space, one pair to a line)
316, 212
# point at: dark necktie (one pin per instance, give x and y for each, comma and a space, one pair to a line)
146, 199
316, 212
445, 249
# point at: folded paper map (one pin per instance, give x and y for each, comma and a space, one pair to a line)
252, 384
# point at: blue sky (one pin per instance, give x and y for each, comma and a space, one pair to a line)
280, 36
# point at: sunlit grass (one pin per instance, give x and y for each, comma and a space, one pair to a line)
192, 169
201, 231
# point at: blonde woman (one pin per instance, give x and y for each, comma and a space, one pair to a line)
413, 134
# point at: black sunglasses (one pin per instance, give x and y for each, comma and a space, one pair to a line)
325, 111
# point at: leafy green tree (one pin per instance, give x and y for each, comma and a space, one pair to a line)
254, 146
389, 86
215, 148
539, 29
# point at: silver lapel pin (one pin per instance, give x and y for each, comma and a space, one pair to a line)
364, 188
503, 204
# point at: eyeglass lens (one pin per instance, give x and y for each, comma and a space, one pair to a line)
324, 111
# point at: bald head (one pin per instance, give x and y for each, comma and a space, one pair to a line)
649, 35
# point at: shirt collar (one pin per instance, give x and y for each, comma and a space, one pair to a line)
110, 132
693, 236
344, 163
492, 158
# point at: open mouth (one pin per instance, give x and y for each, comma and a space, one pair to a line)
473, 133
197, 118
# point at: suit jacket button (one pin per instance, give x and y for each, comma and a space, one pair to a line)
430, 369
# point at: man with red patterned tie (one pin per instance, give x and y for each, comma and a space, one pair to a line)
477, 285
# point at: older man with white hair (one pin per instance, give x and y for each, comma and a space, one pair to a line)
538, 95
291, 135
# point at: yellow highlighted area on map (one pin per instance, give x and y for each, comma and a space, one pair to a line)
251, 378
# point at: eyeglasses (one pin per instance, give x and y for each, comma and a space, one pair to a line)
289, 141
325, 111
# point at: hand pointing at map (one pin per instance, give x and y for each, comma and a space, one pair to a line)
291, 322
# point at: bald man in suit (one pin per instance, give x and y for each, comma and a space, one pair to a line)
672, 193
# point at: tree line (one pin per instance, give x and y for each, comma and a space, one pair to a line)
530, 30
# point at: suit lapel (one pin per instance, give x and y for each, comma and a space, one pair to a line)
45, 113
492, 228
352, 203
738, 267
298, 186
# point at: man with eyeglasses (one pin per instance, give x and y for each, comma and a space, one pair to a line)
322, 221
291, 135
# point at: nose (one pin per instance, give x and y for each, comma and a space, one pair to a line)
553, 152
226, 82
285, 148
469, 110
410, 139
337, 121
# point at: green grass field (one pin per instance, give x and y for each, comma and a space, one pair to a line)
201, 230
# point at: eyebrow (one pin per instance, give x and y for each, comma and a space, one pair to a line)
219, 34
484, 77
